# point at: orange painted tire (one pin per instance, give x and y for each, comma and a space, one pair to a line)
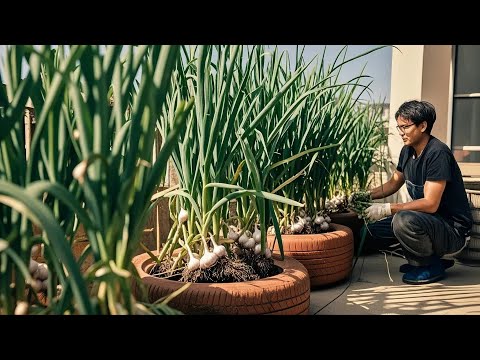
327, 257
287, 293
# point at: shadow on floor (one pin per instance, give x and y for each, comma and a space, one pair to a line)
376, 287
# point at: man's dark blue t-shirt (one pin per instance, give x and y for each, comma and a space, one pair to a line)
436, 162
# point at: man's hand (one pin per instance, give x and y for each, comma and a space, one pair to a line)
378, 211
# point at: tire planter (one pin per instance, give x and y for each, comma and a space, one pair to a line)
327, 257
287, 293
350, 219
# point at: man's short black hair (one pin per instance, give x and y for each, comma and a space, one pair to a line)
417, 112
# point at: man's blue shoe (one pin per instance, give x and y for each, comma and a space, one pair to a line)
446, 263
424, 274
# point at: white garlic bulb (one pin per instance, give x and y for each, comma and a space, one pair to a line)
208, 260
327, 219
324, 226
21, 308
33, 266
297, 227
232, 234
193, 263
182, 216
268, 253
258, 249
257, 235
319, 220
249, 244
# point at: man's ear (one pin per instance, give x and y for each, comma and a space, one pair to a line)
424, 126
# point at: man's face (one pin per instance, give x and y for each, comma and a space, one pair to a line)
409, 131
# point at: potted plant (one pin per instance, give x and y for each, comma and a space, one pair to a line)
204, 241
329, 117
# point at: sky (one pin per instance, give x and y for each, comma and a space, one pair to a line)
378, 65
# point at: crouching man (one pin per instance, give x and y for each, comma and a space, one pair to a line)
438, 220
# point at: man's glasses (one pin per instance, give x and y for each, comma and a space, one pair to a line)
401, 129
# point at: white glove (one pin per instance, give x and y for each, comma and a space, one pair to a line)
378, 211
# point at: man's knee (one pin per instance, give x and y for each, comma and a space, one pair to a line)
406, 222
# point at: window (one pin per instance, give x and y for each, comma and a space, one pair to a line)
466, 109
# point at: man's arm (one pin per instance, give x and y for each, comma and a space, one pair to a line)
390, 187
432, 192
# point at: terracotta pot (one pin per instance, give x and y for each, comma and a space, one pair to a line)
351, 220
327, 257
287, 293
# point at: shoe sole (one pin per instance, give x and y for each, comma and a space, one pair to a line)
426, 281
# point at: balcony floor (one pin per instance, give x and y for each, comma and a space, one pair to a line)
372, 292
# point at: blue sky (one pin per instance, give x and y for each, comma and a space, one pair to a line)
378, 64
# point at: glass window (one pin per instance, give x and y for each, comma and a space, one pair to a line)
466, 104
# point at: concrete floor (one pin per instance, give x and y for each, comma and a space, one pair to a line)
377, 289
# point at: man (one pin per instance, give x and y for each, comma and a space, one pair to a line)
438, 220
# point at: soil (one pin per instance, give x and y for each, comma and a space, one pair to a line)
232, 268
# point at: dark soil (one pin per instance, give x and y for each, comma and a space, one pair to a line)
233, 268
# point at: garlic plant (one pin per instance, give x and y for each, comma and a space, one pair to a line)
90, 161
219, 132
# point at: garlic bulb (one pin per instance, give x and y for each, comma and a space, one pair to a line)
42, 271
257, 235
249, 244
308, 220
327, 219
268, 253
218, 250
324, 226
244, 238
33, 266
208, 260
80, 170
182, 216
319, 219
193, 263
232, 234
297, 227
36, 285
258, 249
21, 308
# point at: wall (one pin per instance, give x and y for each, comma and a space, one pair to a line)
436, 84
406, 84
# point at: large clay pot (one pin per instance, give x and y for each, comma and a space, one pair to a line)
327, 257
351, 220
287, 293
